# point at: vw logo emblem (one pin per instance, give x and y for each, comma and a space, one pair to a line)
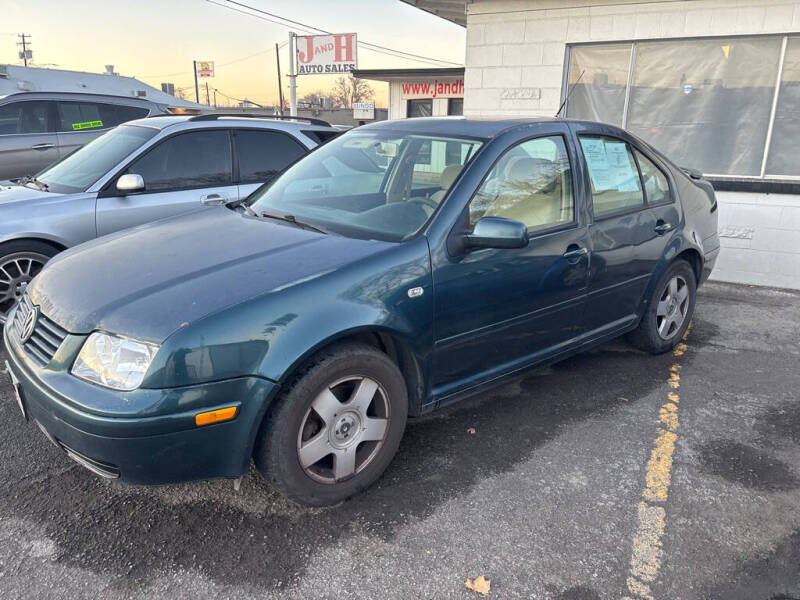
29, 324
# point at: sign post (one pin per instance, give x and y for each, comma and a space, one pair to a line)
292, 75
196, 87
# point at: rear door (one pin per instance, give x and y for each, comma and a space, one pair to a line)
262, 155
82, 121
28, 142
179, 173
628, 233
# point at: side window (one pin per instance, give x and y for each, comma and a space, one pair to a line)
656, 186
437, 163
23, 117
531, 183
79, 116
264, 154
196, 159
613, 175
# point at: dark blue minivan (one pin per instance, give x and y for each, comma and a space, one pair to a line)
396, 269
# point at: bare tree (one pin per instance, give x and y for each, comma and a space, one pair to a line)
349, 89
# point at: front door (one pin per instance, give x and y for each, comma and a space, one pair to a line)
630, 231
499, 310
179, 173
28, 143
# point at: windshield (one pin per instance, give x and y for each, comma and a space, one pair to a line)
381, 185
81, 169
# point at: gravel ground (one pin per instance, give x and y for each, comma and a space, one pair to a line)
543, 498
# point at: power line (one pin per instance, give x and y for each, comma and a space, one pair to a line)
311, 29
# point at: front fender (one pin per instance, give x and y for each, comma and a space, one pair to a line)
62, 220
270, 335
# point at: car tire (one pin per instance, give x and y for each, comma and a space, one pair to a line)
17, 257
669, 310
319, 442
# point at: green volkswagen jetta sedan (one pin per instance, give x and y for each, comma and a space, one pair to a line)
394, 270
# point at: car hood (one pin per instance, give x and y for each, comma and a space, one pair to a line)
149, 281
11, 193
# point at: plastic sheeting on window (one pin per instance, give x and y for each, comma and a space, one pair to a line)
784, 158
600, 93
705, 103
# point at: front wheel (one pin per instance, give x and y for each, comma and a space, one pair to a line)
20, 262
669, 310
336, 427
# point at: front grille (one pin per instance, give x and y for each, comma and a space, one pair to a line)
46, 337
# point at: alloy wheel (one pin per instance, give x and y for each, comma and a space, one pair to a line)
343, 429
16, 272
672, 307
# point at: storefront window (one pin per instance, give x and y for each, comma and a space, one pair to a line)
603, 74
783, 156
419, 108
455, 106
705, 103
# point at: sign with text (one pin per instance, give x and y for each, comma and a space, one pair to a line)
452, 88
326, 54
363, 111
205, 68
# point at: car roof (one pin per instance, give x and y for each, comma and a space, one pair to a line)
162, 122
87, 96
461, 126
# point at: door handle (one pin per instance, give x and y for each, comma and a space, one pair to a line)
661, 227
575, 253
213, 199
45, 146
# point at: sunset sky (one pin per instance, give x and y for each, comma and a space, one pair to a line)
156, 41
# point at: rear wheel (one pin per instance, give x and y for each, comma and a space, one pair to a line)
669, 310
337, 426
20, 261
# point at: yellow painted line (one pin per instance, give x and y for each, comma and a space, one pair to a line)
647, 553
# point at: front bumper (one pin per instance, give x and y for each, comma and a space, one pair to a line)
154, 447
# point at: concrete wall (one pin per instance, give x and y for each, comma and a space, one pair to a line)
515, 65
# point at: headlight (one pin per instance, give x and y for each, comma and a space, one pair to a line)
113, 361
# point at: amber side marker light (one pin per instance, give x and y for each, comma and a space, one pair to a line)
215, 416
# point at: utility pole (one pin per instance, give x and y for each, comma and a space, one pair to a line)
292, 75
208, 99
196, 88
280, 83
24, 42
215, 97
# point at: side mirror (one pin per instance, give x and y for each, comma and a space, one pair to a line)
130, 182
498, 232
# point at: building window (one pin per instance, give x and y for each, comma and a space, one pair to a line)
455, 106
419, 108
706, 103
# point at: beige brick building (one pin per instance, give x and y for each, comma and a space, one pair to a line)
714, 84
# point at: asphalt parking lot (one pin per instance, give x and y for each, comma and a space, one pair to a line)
613, 474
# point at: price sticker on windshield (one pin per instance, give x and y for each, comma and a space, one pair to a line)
87, 125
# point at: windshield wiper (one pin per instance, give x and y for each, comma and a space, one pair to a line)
292, 219
40, 184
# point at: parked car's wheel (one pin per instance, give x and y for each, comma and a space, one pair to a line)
336, 426
20, 261
669, 311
